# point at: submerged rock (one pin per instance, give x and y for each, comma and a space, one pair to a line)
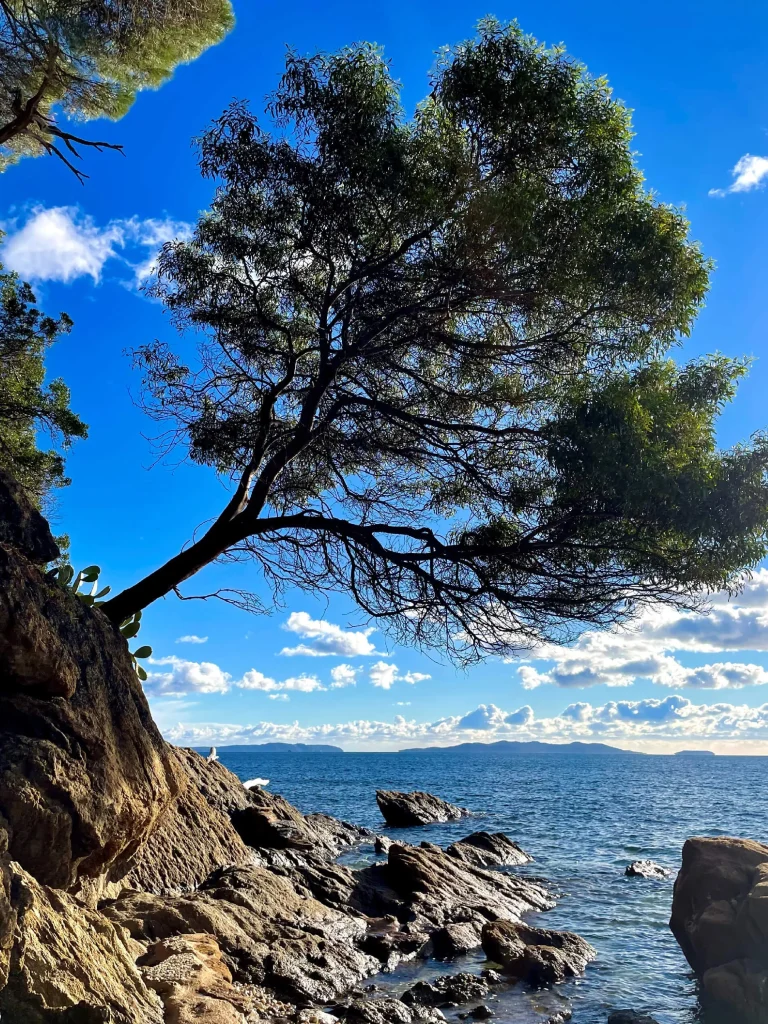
630, 1017
536, 955
401, 810
719, 919
489, 849
646, 869
387, 1011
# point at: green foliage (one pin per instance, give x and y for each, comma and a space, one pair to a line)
70, 580
89, 59
433, 355
29, 406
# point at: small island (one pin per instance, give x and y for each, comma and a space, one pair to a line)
695, 753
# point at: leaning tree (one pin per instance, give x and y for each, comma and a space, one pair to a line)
89, 58
432, 356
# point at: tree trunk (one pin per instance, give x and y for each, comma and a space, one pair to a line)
177, 569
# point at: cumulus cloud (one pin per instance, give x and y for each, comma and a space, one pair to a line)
749, 172
385, 675
647, 649
183, 677
191, 638
343, 675
669, 724
61, 243
325, 639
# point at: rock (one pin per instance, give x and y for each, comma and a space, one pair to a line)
561, 1017
194, 983
84, 772
646, 869
481, 1013
488, 849
404, 809
491, 976
381, 844
387, 1011
454, 940
439, 890
630, 1017
21, 525
536, 955
67, 957
269, 933
451, 989
719, 920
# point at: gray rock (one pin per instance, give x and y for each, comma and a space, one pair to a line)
536, 955
448, 990
386, 1011
401, 810
489, 849
646, 869
454, 940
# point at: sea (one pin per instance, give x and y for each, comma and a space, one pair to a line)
583, 818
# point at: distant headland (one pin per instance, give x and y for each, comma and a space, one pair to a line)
523, 747
695, 753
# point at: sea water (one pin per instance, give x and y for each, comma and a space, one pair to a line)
583, 818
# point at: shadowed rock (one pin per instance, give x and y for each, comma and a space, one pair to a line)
536, 955
401, 810
447, 991
630, 1017
489, 849
646, 869
720, 919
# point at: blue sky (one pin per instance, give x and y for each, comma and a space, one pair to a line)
694, 76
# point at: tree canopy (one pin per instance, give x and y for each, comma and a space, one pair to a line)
30, 407
89, 59
433, 356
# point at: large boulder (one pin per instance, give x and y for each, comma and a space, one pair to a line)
84, 774
67, 962
401, 810
536, 955
720, 920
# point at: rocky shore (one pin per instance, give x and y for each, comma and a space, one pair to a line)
143, 884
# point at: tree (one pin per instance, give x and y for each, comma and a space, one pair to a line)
29, 406
90, 59
432, 356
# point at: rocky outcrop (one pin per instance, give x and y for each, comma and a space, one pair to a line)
646, 869
269, 933
84, 773
536, 955
489, 850
401, 810
21, 525
65, 957
720, 919
450, 990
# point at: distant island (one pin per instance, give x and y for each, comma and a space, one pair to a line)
523, 747
277, 748
695, 753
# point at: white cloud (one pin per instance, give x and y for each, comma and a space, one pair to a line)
62, 243
325, 639
278, 696
191, 638
184, 677
385, 675
646, 649
749, 172
662, 725
343, 675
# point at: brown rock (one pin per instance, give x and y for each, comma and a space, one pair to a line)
21, 525
65, 957
536, 955
489, 849
720, 919
269, 932
84, 771
401, 810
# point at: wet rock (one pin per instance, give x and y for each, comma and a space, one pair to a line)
491, 976
488, 849
390, 943
401, 810
481, 1013
720, 922
536, 955
630, 1017
68, 962
269, 933
454, 940
84, 772
449, 990
381, 844
646, 869
194, 983
561, 1017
